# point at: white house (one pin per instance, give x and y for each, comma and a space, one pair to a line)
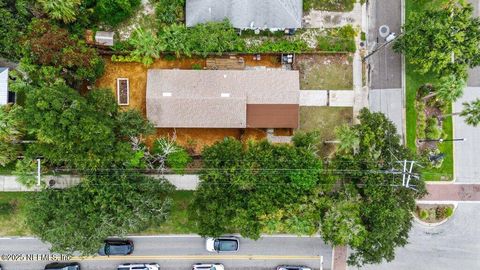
3, 85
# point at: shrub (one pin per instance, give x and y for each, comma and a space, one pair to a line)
278, 46
113, 12
433, 130
423, 214
448, 211
169, 11
197, 66
306, 139
170, 57
178, 160
337, 40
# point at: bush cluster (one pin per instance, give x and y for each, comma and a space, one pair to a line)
337, 40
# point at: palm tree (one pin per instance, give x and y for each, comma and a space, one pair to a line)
347, 139
449, 89
471, 112
64, 10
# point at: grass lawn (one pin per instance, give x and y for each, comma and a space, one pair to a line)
325, 71
12, 215
330, 5
177, 222
325, 119
413, 82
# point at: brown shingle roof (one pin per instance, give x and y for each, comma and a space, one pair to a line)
193, 98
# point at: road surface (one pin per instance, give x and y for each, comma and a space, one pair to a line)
180, 252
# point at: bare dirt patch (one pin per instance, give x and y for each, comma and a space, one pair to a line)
325, 71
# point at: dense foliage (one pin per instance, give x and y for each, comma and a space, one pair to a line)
107, 204
340, 39
443, 40
169, 11
85, 133
258, 188
11, 132
49, 47
14, 18
64, 10
112, 12
373, 212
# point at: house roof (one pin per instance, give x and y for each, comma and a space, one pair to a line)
3, 85
216, 98
246, 13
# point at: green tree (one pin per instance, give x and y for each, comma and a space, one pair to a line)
449, 89
146, 45
258, 188
372, 208
11, 132
113, 12
85, 133
348, 139
443, 40
471, 112
63, 10
14, 19
107, 204
50, 51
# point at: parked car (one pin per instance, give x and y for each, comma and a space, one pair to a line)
62, 266
223, 244
139, 266
208, 266
116, 247
293, 267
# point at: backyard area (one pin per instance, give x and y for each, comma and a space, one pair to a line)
325, 71
324, 120
414, 81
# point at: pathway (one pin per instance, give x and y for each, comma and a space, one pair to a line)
452, 192
332, 98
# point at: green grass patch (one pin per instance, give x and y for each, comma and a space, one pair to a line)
178, 221
330, 5
325, 71
413, 82
325, 120
12, 214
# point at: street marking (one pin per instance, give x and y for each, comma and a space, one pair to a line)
197, 257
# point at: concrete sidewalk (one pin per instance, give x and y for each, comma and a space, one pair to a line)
9, 182
454, 192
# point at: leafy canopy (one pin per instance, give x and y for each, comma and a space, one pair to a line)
111, 203
442, 40
258, 188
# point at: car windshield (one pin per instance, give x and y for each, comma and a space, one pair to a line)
226, 245
117, 249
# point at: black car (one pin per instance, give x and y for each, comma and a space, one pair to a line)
62, 266
116, 247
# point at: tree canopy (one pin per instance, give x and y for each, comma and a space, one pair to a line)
85, 133
442, 40
258, 188
106, 204
373, 212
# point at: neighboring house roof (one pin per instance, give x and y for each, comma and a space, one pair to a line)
246, 13
3, 86
219, 98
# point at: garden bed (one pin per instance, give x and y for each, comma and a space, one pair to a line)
433, 213
325, 71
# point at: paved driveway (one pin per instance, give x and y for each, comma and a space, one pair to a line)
452, 245
467, 153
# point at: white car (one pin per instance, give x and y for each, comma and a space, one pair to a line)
222, 244
208, 266
293, 267
139, 266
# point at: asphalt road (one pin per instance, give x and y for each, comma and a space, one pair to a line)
385, 65
452, 245
180, 252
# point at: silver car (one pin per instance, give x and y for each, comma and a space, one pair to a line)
139, 266
208, 266
293, 267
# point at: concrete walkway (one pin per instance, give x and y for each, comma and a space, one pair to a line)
332, 98
453, 192
9, 182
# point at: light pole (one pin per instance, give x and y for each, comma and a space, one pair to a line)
442, 140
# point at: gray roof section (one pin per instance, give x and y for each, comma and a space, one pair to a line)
246, 13
193, 98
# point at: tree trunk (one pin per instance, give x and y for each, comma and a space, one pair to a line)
430, 95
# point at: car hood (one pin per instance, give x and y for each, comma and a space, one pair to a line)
210, 244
